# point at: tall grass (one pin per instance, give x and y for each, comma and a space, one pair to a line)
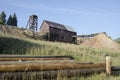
12, 45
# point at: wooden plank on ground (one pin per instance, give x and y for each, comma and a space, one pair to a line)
46, 65
52, 74
26, 58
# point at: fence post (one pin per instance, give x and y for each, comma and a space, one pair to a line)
108, 65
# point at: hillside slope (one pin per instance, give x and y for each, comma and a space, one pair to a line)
17, 32
99, 41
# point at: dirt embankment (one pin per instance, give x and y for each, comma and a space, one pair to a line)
18, 32
102, 41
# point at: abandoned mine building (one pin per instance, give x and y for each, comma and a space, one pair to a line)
53, 31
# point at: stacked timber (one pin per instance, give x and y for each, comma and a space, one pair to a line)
46, 67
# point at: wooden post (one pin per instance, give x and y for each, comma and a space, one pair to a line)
108, 65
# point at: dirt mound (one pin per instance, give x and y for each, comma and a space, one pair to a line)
102, 41
18, 32
13, 31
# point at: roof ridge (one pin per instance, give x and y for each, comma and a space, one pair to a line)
60, 26
53, 22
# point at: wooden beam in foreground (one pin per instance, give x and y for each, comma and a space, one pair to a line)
51, 74
46, 65
29, 58
108, 65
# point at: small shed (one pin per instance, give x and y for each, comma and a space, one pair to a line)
53, 31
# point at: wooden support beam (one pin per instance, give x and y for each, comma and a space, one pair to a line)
108, 65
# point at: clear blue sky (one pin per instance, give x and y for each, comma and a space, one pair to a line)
85, 16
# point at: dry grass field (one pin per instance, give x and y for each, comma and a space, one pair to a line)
12, 45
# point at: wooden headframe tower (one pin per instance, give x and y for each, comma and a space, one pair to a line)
32, 23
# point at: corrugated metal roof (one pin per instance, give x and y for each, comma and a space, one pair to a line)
59, 26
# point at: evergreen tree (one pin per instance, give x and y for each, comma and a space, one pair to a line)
9, 21
2, 18
14, 20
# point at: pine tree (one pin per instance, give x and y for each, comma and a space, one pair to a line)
9, 21
14, 20
2, 18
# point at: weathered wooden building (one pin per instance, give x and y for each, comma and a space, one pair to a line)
57, 32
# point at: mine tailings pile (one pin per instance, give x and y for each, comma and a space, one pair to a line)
102, 41
46, 67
